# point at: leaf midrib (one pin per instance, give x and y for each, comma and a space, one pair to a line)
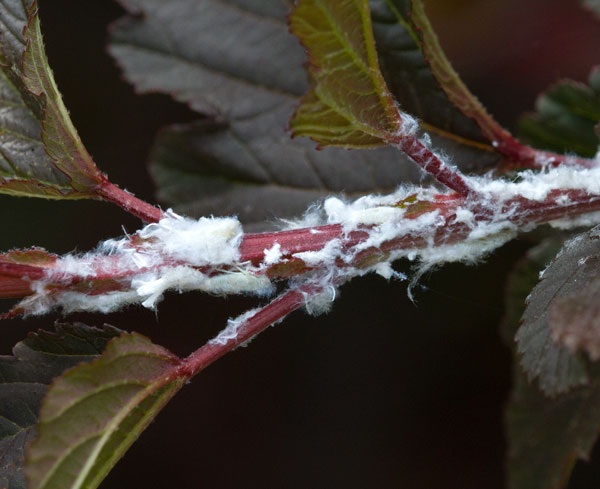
105, 434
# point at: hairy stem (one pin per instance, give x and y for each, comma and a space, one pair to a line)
130, 203
519, 212
521, 157
350, 255
250, 327
523, 213
432, 164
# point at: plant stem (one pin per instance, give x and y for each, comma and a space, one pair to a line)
253, 246
524, 212
18, 270
432, 164
263, 318
17, 280
520, 156
129, 202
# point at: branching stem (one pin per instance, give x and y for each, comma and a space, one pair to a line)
524, 213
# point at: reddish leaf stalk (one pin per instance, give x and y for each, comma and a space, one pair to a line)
529, 211
262, 319
433, 165
130, 203
520, 156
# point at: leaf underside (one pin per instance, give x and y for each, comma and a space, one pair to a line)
94, 412
545, 435
24, 378
41, 154
349, 103
218, 167
566, 118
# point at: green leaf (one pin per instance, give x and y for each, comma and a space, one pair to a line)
219, 166
40, 152
349, 103
565, 118
545, 435
94, 412
23, 381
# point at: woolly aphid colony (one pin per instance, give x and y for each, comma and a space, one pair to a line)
182, 254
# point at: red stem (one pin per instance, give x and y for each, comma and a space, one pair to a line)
525, 212
292, 241
129, 202
432, 164
310, 240
521, 156
18, 270
14, 277
272, 312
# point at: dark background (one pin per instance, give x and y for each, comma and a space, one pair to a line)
379, 393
